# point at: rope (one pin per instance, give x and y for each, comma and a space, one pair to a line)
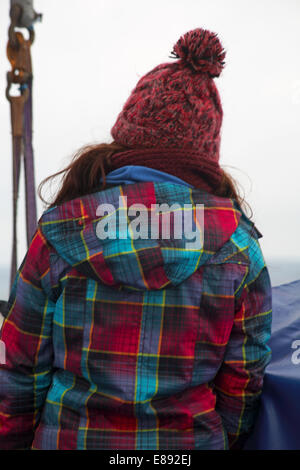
31, 213
17, 151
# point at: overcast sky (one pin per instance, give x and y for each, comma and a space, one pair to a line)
89, 54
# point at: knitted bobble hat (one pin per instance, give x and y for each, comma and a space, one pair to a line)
177, 104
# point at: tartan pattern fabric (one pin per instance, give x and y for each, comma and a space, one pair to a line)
139, 344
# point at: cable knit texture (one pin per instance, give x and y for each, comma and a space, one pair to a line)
177, 105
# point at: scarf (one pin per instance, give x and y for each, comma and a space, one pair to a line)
188, 165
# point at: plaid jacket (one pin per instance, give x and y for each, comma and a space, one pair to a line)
135, 343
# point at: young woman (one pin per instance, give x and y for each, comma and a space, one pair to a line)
121, 341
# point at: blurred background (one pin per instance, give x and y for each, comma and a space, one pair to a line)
88, 56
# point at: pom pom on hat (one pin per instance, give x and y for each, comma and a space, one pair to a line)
202, 50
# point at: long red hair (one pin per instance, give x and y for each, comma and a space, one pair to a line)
91, 162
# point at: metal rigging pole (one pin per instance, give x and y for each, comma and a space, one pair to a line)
22, 15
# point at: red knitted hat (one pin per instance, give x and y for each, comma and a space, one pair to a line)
177, 105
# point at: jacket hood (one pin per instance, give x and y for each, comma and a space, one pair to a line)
74, 228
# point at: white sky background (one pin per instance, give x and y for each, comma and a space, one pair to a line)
89, 54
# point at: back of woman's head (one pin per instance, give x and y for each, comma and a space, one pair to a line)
176, 107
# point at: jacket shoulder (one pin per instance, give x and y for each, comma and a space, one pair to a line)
242, 245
